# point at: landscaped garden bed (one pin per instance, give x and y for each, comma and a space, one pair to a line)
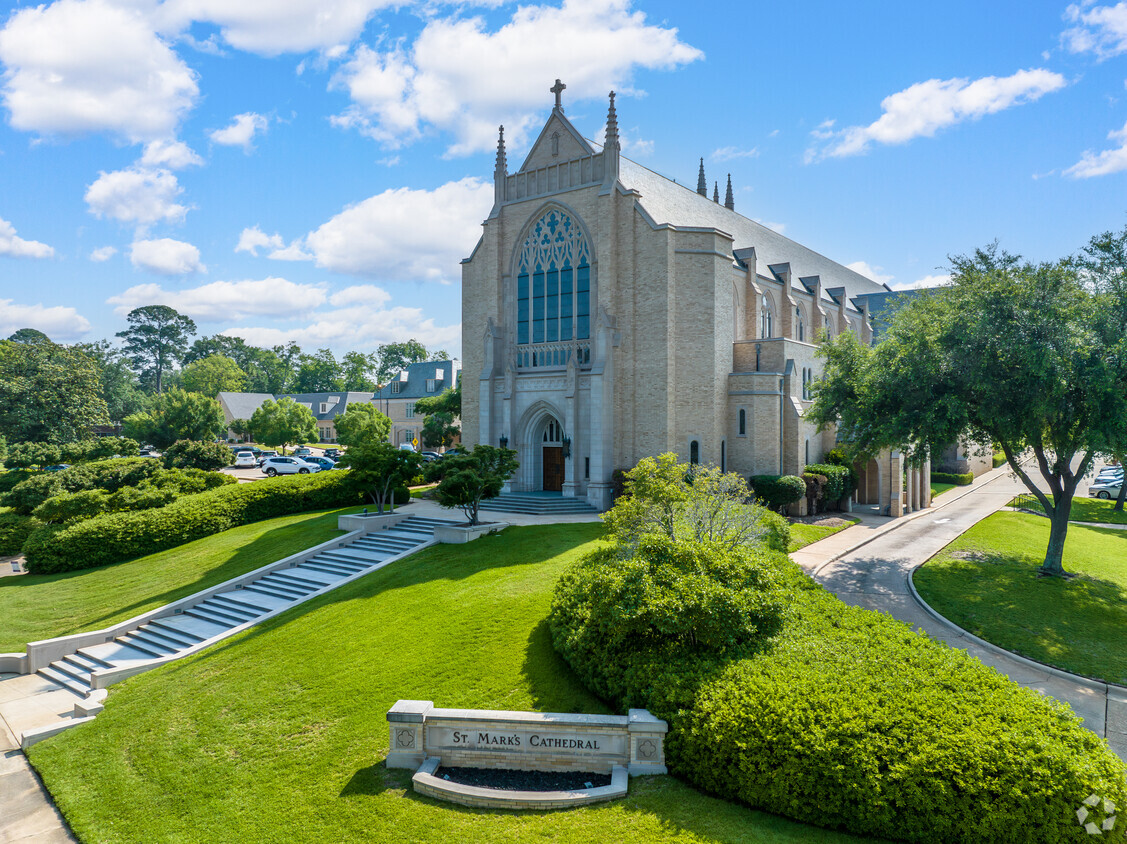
986, 582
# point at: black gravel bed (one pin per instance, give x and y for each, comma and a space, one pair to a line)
506, 780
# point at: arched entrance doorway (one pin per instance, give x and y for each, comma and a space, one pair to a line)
552, 462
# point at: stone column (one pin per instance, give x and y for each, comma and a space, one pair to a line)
926, 472
405, 743
896, 485
647, 743
910, 492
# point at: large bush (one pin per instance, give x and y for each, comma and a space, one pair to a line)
956, 478
190, 454
840, 481
14, 531
115, 537
827, 713
108, 475
777, 491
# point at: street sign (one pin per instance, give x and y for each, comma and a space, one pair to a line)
415, 442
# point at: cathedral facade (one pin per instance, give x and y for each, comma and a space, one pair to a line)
610, 313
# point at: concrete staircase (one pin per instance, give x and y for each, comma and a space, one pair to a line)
165, 636
537, 504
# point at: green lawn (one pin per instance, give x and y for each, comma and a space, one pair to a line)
802, 535
985, 582
938, 488
34, 607
279, 734
1083, 510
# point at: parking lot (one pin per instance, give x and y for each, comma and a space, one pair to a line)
255, 474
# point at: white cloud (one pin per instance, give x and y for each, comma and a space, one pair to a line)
923, 109
732, 153
166, 257
294, 252
252, 238
405, 234
61, 324
241, 132
79, 66
175, 155
922, 283
869, 271
136, 195
1109, 161
1098, 29
16, 247
462, 78
361, 294
103, 253
269, 28
223, 301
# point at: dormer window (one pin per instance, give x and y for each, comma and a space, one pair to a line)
431, 382
395, 385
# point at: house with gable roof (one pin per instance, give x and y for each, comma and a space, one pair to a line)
397, 398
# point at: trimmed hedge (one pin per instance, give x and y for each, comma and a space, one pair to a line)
964, 479
846, 718
14, 531
840, 480
777, 491
998, 459
117, 537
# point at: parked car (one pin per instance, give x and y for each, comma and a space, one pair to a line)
245, 460
428, 456
1105, 489
272, 466
406, 447
324, 462
303, 451
58, 467
263, 455
332, 453
1111, 472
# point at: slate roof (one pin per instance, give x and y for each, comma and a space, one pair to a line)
338, 402
243, 405
667, 202
413, 380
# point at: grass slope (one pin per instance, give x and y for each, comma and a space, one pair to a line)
985, 582
279, 735
940, 488
802, 535
34, 607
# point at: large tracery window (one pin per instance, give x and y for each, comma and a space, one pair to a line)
554, 282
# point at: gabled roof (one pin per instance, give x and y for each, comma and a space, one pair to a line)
337, 402
666, 202
414, 385
243, 405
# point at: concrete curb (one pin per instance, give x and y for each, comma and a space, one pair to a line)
1087, 682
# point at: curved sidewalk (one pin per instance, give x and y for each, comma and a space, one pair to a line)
870, 565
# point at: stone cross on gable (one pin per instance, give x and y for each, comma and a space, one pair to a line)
558, 90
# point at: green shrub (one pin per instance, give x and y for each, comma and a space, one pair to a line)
845, 718
105, 447
144, 497
615, 620
28, 494
191, 454
836, 456
840, 481
617, 484
778, 531
14, 531
999, 458
9, 479
72, 506
949, 478
26, 455
815, 491
115, 537
777, 491
110, 475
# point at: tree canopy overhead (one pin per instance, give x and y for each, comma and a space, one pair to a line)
48, 393
1019, 354
177, 415
360, 423
282, 422
156, 340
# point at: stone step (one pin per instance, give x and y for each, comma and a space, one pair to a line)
379, 544
273, 592
204, 614
64, 680
328, 568
144, 646
85, 663
240, 602
236, 615
178, 641
291, 578
115, 653
77, 674
189, 628
361, 557
353, 564
278, 588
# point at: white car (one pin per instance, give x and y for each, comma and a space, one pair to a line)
1105, 488
245, 460
272, 466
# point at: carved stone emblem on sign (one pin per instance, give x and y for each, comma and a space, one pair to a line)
647, 749
405, 739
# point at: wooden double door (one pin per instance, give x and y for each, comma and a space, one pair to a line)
553, 468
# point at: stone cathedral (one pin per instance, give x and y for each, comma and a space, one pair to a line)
610, 314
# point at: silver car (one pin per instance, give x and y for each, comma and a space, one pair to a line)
272, 466
1108, 488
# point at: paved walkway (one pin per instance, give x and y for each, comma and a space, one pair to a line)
869, 565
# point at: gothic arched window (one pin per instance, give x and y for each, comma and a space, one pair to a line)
767, 326
554, 282
743, 422
694, 452
801, 325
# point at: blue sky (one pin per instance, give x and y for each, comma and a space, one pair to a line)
313, 170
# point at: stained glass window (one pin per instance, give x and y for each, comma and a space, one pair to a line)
554, 282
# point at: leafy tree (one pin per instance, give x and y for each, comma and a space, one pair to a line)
240, 427
29, 335
467, 478
156, 339
120, 389
686, 503
439, 430
177, 415
213, 375
448, 401
3, 449
235, 348
361, 423
288, 357
279, 423
1018, 354
378, 468
104, 447
188, 454
48, 393
318, 373
395, 357
355, 372
27, 454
